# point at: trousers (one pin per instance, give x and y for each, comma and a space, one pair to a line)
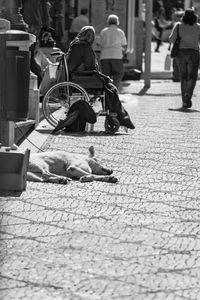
188, 62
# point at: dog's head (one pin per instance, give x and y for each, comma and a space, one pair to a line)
95, 165
85, 110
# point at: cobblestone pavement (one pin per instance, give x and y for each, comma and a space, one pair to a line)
134, 240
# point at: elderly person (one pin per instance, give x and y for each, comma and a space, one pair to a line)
113, 44
81, 57
188, 55
79, 22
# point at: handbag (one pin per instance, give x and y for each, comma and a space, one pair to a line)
49, 78
175, 48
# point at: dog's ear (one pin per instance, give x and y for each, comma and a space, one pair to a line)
91, 151
89, 113
86, 111
71, 118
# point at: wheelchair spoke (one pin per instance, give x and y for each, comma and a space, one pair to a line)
58, 100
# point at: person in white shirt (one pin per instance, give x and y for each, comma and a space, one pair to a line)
79, 22
113, 44
188, 54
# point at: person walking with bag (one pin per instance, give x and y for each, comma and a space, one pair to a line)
188, 54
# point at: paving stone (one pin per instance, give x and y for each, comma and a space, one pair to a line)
137, 239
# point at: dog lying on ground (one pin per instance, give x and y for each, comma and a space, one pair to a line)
61, 167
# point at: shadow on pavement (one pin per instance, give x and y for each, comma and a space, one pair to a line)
143, 90
92, 133
10, 193
185, 110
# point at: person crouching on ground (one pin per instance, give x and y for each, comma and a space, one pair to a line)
81, 57
188, 54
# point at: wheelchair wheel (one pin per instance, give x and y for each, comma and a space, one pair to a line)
111, 124
58, 100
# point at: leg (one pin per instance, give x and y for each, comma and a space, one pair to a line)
117, 71
176, 72
159, 39
38, 175
35, 177
158, 43
106, 67
76, 172
103, 178
192, 71
182, 64
53, 178
116, 107
84, 176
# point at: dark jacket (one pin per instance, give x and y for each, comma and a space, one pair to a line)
81, 58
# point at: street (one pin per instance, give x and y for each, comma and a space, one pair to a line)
134, 240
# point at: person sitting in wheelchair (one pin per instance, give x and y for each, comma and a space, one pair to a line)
81, 57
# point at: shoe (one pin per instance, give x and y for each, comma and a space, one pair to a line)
187, 105
184, 106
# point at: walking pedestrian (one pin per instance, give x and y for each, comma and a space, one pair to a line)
188, 54
113, 45
79, 22
36, 15
160, 24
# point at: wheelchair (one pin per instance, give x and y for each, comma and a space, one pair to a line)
84, 86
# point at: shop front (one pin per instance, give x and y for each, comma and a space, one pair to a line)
131, 22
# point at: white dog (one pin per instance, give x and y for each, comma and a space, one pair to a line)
61, 167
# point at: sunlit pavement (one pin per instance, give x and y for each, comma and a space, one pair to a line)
137, 239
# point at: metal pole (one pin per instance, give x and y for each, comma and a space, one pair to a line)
131, 26
148, 38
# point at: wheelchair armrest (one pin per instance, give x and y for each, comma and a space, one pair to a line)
87, 79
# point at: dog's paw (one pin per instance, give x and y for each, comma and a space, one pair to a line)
64, 180
86, 178
113, 179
